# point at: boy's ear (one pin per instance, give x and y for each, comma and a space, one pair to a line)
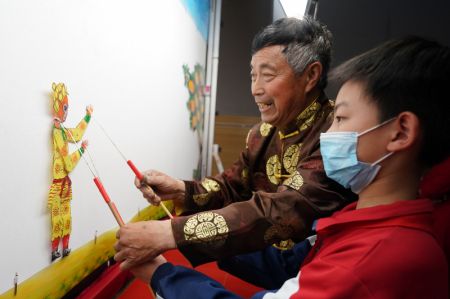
405, 133
313, 74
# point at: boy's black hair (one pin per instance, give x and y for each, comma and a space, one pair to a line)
410, 74
306, 41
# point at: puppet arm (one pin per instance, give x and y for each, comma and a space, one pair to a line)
70, 160
78, 132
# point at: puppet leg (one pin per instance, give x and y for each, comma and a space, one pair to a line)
54, 203
56, 229
67, 222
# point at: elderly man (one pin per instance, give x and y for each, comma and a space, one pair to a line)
277, 187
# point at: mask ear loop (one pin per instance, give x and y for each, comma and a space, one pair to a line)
382, 159
377, 126
374, 128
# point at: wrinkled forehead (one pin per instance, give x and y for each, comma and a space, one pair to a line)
271, 56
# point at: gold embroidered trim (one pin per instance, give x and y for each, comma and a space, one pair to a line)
307, 117
295, 181
206, 227
273, 169
282, 136
264, 129
291, 157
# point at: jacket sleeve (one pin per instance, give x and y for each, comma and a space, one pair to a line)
265, 219
268, 268
178, 282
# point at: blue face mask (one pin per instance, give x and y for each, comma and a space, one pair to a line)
340, 159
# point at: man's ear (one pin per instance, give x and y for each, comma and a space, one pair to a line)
313, 73
405, 132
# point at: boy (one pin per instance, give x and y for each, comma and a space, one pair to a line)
390, 125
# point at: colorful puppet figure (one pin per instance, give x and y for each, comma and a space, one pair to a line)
60, 193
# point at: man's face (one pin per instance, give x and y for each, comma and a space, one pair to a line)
279, 94
356, 112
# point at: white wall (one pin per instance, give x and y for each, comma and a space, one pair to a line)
123, 57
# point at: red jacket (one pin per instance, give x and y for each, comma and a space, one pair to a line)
387, 251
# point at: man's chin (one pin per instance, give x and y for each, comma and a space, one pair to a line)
268, 119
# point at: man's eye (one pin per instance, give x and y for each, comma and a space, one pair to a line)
65, 107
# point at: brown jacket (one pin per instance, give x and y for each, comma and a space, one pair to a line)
272, 193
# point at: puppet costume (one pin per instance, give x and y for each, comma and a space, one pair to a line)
60, 193
271, 194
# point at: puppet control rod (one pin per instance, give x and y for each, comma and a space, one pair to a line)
98, 183
131, 165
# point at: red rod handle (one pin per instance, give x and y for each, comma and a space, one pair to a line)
135, 170
102, 190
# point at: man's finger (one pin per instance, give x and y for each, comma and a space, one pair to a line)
117, 247
125, 265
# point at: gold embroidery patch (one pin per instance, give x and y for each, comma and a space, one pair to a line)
206, 227
307, 117
273, 169
210, 185
295, 181
264, 129
201, 199
291, 156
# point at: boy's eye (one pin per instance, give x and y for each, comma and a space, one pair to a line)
65, 107
338, 118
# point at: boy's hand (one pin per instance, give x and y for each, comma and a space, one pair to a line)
146, 270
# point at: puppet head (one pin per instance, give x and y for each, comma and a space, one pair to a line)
60, 101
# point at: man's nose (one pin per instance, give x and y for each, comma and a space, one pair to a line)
257, 88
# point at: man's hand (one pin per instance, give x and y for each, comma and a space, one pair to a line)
146, 270
142, 241
157, 186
